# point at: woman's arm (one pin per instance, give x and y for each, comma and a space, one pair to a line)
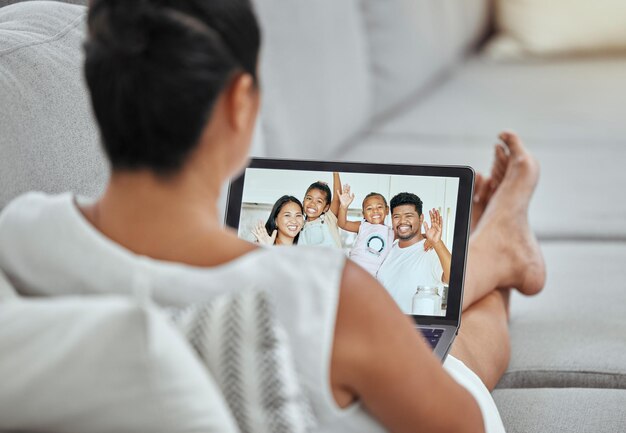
379, 358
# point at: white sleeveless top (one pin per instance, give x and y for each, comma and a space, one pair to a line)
48, 248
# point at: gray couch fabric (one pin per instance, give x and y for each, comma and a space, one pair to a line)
314, 74
573, 333
48, 138
571, 410
404, 61
558, 100
578, 196
568, 112
74, 2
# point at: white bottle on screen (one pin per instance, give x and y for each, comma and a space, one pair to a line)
426, 301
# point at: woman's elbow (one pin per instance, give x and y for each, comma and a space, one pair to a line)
472, 419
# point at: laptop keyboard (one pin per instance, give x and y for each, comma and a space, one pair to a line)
432, 335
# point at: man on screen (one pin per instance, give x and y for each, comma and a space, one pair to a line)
409, 265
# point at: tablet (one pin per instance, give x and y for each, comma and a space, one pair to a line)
445, 193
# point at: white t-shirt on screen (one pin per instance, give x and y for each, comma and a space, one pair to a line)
406, 268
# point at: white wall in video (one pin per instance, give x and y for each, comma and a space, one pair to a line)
352, 211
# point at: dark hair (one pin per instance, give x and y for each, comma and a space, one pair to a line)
155, 68
374, 194
270, 225
406, 198
321, 186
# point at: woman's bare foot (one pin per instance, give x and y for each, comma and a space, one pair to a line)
504, 222
484, 187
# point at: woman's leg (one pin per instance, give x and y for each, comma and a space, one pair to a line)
503, 251
483, 342
503, 254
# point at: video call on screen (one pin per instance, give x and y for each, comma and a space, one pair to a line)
394, 247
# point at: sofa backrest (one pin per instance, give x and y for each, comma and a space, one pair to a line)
314, 73
48, 139
331, 67
328, 69
412, 43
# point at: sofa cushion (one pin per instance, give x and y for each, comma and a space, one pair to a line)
48, 138
6, 289
560, 100
577, 185
570, 410
103, 364
412, 42
568, 113
559, 27
314, 74
572, 333
75, 2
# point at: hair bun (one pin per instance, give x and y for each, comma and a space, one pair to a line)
123, 26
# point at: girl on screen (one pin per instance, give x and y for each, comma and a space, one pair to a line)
284, 224
374, 239
321, 209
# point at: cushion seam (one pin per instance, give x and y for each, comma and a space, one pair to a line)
542, 379
567, 372
462, 138
63, 32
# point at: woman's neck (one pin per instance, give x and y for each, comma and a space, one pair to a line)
175, 219
146, 198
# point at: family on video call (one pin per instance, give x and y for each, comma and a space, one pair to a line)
414, 266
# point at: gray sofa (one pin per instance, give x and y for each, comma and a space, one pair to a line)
399, 81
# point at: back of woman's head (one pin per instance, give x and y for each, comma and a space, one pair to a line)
155, 68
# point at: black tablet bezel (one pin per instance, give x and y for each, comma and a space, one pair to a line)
465, 174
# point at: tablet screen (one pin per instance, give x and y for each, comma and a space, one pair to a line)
398, 227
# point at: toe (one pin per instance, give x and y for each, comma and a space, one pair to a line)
500, 163
497, 173
512, 142
523, 161
501, 156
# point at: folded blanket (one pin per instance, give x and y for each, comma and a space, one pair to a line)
247, 352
